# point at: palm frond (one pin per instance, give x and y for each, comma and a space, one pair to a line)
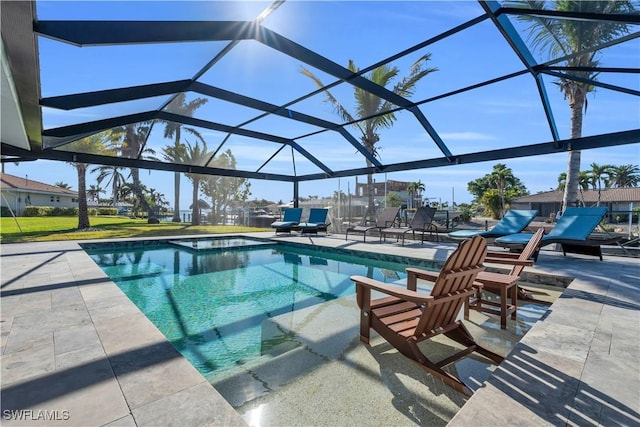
329, 98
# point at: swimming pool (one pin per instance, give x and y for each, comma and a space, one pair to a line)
213, 298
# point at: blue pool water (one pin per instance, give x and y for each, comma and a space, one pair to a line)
210, 297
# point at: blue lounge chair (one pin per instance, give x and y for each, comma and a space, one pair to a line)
514, 221
572, 231
289, 221
317, 221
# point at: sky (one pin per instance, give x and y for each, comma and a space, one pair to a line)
501, 115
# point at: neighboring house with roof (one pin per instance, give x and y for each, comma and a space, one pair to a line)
19, 192
619, 201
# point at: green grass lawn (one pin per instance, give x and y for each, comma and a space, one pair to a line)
40, 229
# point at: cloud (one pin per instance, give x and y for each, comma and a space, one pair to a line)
466, 136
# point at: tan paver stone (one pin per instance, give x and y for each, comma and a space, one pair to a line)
79, 357
25, 302
89, 393
25, 339
66, 296
199, 405
127, 421
29, 363
153, 372
112, 307
137, 329
100, 291
75, 338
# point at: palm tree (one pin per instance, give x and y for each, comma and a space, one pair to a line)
94, 191
415, 188
196, 155
579, 40
598, 174
94, 144
584, 181
624, 176
131, 139
174, 130
370, 109
501, 177
115, 179
63, 184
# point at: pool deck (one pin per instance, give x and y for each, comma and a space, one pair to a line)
76, 351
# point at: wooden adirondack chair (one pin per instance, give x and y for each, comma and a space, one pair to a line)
407, 317
504, 284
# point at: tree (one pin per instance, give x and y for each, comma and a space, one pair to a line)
393, 199
584, 181
579, 41
94, 191
501, 177
625, 176
415, 189
496, 189
131, 138
175, 152
94, 144
115, 179
63, 184
196, 155
598, 174
224, 190
156, 200
370, 116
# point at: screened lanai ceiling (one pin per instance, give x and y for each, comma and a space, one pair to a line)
232, 74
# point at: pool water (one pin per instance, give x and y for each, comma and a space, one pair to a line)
212, 304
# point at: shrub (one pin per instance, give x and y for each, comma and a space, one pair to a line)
50, 211
37, 210
59, 211
466, 213
5, 211
107, 211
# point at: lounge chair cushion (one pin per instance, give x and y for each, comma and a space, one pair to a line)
575, 225
514, 221
291, 219
466, 234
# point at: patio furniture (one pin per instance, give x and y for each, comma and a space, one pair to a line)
290, 219
505, 285
514, 221
407, 317
317, 221
387, 218
572, 232
421, 222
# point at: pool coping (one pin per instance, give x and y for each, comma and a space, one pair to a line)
77, 315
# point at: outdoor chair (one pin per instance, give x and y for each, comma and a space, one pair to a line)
406, 317
572, 232
289, 221
317, 221
387, 218
421, 222
514, 221
505, 285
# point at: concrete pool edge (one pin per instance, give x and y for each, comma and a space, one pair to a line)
92, 336
62, 269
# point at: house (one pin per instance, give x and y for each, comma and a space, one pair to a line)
380, 189
20, 192
619, 201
